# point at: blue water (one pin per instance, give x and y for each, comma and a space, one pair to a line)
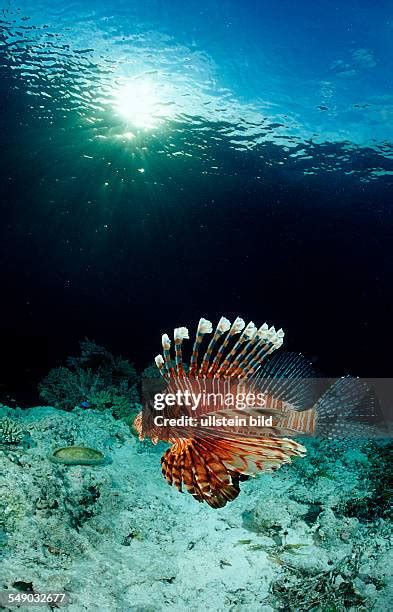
168, 160
320, 70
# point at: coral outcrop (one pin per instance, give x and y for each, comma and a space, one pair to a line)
95, 379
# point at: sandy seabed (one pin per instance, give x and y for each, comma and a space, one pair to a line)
313, 536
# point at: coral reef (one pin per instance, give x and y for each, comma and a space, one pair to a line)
10, 432
153, 372
95, 379
314, 536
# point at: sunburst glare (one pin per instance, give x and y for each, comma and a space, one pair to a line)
138, 103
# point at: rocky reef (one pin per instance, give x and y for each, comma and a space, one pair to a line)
113, 536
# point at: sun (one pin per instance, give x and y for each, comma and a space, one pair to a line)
137, 102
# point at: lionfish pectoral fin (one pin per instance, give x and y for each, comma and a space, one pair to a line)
198, 469
211, 469
249, 456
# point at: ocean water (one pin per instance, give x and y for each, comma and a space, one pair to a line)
161, 162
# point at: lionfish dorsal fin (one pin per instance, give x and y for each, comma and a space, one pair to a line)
235, 350
236, 328
223, 326
166, 348
180, 334
160, 363
241, 348
267, 341
204, 327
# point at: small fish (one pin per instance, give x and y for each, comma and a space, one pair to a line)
210, 461
85, 404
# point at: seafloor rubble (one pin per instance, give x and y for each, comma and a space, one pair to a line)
314, 536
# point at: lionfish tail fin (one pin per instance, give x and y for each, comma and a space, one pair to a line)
347, 409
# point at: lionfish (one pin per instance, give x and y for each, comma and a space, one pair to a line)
210, 462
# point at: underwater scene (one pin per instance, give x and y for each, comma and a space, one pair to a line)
196, 381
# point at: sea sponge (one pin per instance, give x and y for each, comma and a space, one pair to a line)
78, 455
